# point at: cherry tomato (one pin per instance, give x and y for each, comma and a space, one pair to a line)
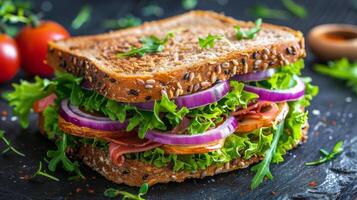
32, 43
9, 58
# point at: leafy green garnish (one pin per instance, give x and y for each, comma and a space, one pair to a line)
43, 173
262, 169
9, 147
337, 149
248, 34
294, 8
150, 44
12, 12
112, 193
152, 10
59, 156
208, 41
340, 69
124, 22
189, 4
263, 11
82, 17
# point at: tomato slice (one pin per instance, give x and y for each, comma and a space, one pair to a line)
41, 105
193, 149
264, 114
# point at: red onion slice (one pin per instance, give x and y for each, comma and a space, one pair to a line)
291, 94
222, 131
195, 100
257, 76
80, 118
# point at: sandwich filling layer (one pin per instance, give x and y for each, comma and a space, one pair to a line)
252, 118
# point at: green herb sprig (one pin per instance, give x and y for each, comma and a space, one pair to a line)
124, 22
262, 169
43, 173
249, 34
340, 69
112, 193
82, 17
337, 149
263, 11
59, 156
150, 44
208, 41
189, 4
294, 8
9, 147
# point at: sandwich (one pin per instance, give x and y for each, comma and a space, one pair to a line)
185, 97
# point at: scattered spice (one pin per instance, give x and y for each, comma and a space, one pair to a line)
313, 184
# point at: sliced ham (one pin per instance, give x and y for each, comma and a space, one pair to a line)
42, 104
117, 151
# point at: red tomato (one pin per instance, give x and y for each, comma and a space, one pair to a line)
9, 58
32, 43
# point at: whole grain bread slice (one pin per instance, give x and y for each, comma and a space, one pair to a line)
183, 67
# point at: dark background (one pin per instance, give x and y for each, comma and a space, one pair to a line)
336, 121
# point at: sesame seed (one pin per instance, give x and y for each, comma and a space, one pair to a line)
289, 50
192, 76
257, 62
225, 65
173, 177
148, 86
196, 87
266, 51
150, 81
273, 52
218, 69
171, 94
140, 81
179, 85
227, 165
245, 68
213, 77
280, 56
286, 62
205, 84
235, 62
178, 92
199, 77
255, 55
218, 170
234, 70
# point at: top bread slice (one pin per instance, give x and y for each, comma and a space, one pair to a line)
183, 67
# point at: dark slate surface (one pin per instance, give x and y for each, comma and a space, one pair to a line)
337, 121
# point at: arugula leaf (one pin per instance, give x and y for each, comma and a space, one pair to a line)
294, 8
9, 147
263, 11
59, 156
124, 22
337, 149
150, 44
249, 34
208, 41
82, 17
262, 169
12, 12
189, 4
112, 193
340, 69
43, 173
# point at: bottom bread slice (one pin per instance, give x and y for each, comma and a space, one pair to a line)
135, 173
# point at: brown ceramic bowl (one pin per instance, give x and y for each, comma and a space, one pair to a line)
333, 41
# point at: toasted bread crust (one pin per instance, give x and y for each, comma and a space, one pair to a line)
140, 79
